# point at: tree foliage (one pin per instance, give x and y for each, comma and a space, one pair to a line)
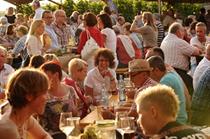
128, 8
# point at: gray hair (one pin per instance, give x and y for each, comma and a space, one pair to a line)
3, 20
174, 27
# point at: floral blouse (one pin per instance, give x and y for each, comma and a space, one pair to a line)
54, 106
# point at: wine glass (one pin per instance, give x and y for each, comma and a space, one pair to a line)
65, 125
126, 126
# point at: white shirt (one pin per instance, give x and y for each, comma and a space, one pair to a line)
34, 45
177, 51
4, 74
111, 42
202, 66
38, 14
195, 42
95, 80
111, 39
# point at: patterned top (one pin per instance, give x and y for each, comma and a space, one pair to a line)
54, 106
200, 100
19, 46
63, 34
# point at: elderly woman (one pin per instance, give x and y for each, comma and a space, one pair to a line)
25, 102
61, 98
78, 72
101, 75
148, 31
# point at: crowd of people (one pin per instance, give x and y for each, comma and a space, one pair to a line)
167, 58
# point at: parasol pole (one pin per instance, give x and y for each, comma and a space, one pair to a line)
159, 7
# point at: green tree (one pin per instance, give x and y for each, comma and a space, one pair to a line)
25, 9
68, 6
82, 6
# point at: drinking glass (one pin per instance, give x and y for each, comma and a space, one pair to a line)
76, 131
65, 123
127, 126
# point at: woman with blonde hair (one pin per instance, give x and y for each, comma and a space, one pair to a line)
37, 42
148, 31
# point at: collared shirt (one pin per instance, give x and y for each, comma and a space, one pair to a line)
177, 51
96, 81
53, 37
38, 14
4, 74
63, 34
149, 82
202, 66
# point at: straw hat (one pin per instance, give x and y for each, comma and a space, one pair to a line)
138, 65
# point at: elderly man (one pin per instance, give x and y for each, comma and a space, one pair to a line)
172, 79
202, 66
61, 28
157, 108
47, 17
200, 40
5, 71
78, 72
177, 52
139, 72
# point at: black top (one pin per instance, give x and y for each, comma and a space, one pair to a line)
176, 130
11, 19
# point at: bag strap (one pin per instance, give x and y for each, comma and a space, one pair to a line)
88, 34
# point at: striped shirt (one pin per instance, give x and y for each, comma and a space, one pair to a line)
161, 33
177, 51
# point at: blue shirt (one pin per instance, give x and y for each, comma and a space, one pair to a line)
201, 100
53, 37
172, 80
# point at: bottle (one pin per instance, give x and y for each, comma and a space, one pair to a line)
121, 89
105, 97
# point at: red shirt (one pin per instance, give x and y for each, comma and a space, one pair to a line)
122, 55
94, 33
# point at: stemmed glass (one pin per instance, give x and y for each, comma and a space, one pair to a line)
126, 126
66, 125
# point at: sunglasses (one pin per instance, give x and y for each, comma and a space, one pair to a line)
133, 74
